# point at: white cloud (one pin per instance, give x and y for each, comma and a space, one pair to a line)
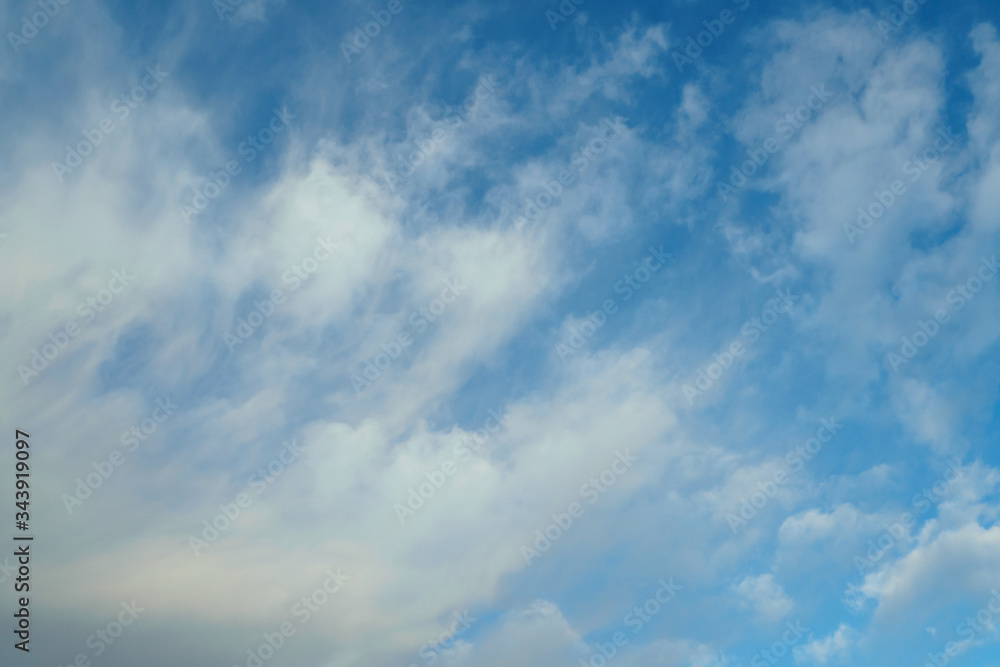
830, 650
765, 596
944, 568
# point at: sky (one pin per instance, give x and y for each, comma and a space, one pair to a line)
556, 334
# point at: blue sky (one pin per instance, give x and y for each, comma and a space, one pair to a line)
702, 290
